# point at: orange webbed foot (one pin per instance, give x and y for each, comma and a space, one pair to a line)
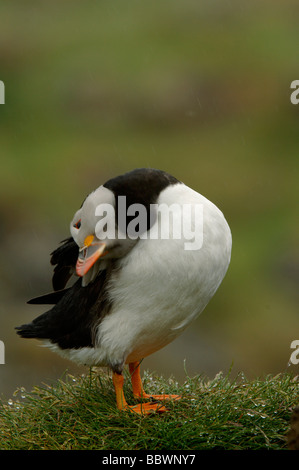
138, 391
146, 408
160, 397
143, 408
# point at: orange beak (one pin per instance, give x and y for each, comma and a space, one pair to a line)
88, 255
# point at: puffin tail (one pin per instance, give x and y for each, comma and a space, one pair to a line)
39, 328
28, 331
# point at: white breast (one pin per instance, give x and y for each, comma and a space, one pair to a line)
161, 287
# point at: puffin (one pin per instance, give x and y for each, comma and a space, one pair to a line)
145, 255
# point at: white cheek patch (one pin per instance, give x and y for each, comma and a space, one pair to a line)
91, 214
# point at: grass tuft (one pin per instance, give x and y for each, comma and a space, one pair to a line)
80, 413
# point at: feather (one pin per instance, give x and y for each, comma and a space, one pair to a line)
64, 258
50, 298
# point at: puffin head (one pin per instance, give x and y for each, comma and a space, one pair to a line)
94, 229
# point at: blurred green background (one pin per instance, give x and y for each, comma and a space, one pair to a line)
200, 89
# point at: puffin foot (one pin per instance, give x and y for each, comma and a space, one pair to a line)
142, 408
159, 397
138, 392
146, 408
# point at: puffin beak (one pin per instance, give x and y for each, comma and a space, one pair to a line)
89, 254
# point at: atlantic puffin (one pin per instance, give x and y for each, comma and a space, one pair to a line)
139, 280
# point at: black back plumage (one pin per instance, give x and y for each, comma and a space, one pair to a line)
139, 186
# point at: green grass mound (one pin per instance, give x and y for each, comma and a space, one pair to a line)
80, 413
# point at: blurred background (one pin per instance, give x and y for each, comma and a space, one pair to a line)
199, 89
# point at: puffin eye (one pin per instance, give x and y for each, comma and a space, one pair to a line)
78, 224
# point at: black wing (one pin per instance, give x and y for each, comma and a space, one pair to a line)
64, 259
50, 298
72, 322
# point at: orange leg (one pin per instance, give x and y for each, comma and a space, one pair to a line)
118, 382
143, 408
134, 368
